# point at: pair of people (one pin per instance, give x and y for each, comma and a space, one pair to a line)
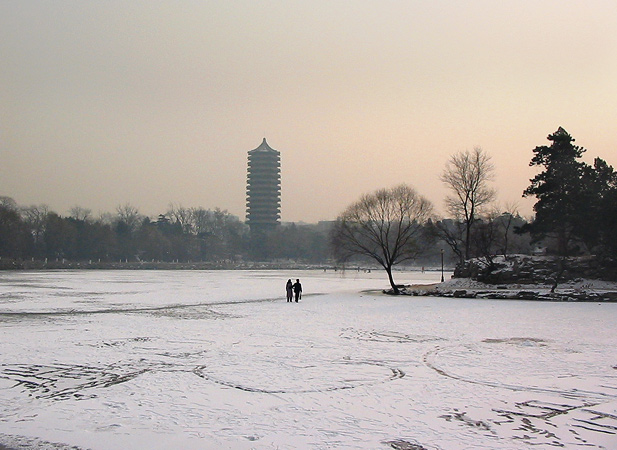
293, 289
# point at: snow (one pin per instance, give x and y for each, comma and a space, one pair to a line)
573, 290
219, 360
572, 285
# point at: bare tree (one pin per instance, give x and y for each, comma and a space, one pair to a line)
106, 218
129, 214
8, 203
485, 236
200, 220
508, 216
36, 218
79, 213
467, 176
385, 226
181, 215
452, 233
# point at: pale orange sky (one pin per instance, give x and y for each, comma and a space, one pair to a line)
149, 103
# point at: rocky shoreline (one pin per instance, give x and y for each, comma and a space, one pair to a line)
525, 277
581, 291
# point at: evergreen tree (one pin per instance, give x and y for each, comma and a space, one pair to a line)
599, 213
560, 192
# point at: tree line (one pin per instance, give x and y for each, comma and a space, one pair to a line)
197, 234
179, 234
575, 213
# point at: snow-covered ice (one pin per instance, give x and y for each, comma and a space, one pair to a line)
219, 360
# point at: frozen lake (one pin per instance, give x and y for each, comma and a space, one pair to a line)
188, 360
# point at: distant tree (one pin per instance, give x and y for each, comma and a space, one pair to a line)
152, 242
220, 233
35, 217
598, 213
101, 241
484, 238
8, 203
125, 239
559, 191
506, 223
496, 233
607, 218
130, 216
452, 233
295, 242
467, 176
107, 218
180, 215
385, 226
60, 237
79, 213
15, 237
93, 239
167, 226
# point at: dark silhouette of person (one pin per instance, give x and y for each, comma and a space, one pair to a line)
290, 290
297, 290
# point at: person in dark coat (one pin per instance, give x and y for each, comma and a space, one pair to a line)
297, 290
290, 290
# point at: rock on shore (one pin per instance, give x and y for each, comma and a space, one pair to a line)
573, 291
525, 277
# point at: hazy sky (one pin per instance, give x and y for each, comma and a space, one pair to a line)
145, 102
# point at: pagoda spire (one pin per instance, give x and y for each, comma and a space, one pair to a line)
263, 189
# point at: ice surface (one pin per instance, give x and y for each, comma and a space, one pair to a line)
219, 360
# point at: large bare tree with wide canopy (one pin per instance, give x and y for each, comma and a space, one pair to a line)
386, 226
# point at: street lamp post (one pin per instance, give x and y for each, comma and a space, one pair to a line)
442, 265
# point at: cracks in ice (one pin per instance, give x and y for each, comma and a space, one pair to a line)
349, 379
63, 381
386, 336
521, 342
400, 444
429, 360
122, 342
68, 381
533, 421
165, 310
22, 442
598, 421
464, 418
192, 313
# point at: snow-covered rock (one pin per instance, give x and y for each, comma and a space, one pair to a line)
525, 269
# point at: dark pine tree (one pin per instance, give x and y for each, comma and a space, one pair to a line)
559, 191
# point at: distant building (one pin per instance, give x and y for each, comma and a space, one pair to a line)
263, 189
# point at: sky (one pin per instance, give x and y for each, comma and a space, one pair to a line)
150, 103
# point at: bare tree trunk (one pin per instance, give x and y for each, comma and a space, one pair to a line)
391, 279
467, 240
505, 237
561, 268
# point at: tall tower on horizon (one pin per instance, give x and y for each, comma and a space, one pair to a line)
263, 189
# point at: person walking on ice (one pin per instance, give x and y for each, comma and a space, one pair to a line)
297, 290
290, 290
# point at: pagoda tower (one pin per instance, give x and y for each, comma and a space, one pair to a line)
263, 189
